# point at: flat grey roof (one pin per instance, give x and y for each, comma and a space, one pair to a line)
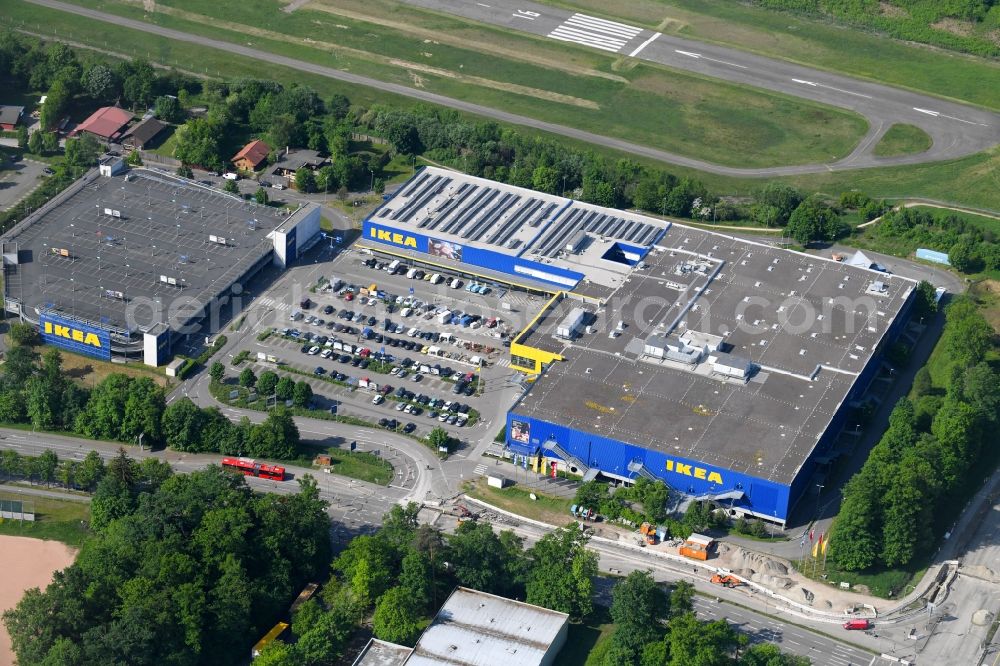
163, 230
382, 653
474, 628
809, 325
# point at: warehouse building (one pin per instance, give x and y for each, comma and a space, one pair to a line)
721, 367
123, 264
474, 628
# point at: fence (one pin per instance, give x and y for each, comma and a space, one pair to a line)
17, 509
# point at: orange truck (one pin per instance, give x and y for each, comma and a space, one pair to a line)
697, 547
649, 532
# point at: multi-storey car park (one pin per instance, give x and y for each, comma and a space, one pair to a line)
721, 367
123, 264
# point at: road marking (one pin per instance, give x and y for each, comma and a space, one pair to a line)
482, 5
698, 56
644, 45
938, 114
840, 90
596, 32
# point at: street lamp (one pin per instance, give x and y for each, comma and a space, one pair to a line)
371, 188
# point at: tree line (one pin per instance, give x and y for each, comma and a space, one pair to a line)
969, 248
939, 444
179, 569
35, 389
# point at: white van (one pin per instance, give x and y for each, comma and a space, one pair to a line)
456, 283
410, 273
393, 265
436, 278
231, 176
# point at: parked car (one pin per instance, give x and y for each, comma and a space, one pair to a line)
378, 400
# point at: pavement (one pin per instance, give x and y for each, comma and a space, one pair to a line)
18, 180
957, 130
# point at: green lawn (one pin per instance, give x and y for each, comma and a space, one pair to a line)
812, 42
888, 584
360, 465
58, 520
588, 640
675, 111
903, 139
516, 499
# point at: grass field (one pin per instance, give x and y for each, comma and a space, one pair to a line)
972, 181
359, 465
811, 42
903, 139
588, 639
679, 112
546, 508
58, 520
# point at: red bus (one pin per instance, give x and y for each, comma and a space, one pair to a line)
250, 467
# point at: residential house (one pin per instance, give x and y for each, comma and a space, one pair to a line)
142, 134
10, 116
106, 124
252, 156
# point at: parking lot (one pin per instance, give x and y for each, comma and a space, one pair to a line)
392, 355
18, 179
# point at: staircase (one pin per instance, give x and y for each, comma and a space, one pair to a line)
552, 445
639, 467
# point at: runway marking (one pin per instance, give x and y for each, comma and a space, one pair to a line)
938, 114
698, 56
482, 5
644, 45
596, 32
840, 90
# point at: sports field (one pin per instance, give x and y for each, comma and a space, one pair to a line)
640, 102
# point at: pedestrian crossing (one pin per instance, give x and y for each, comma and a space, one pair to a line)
503, 363
273, 303
480, 470
595, 32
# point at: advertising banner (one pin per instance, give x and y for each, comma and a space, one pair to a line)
445, 249
75, 336
520, 431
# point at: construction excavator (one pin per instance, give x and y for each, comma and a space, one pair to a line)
726, 580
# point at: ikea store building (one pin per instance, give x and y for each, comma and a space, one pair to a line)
724, 368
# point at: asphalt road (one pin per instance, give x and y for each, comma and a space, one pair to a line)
958, 130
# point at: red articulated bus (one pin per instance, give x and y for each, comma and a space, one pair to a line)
250, 467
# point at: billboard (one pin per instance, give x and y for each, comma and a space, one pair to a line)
75, 336
520, 431
446, 249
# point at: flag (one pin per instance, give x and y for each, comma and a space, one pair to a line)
810, 536
815, 549
825, 544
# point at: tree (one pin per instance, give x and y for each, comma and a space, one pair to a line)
247, 378
82, 152
591, 495
302, 395
260, 196
284, 388
25, 334
396, 618
267, 382
478, 556
854, 543
768, 654
168, 109
99, 82
924, 300
366, 565
305, 180
231, 187
184, 425
277, 437
439, 437
56, 104
813, 220
779, 201
32, 143
638, 605
562, 571
964, 257
199, 142
138, 77
184, 171
217, 371
134, 158
47, 464
90, 471
50, 141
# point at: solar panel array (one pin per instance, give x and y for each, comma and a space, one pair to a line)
597, 223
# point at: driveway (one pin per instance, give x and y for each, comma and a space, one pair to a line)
17, 180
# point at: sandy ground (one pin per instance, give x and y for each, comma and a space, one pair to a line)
26, 563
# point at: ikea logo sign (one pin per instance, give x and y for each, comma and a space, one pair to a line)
394, 237
76, 335
690, 470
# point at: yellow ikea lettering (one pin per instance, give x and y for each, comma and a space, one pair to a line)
63, 331
393, 237
696, 472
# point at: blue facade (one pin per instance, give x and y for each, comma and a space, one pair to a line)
684, 475
75, 336
405, 239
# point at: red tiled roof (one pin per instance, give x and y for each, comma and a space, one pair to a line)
106, 122
255, 151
